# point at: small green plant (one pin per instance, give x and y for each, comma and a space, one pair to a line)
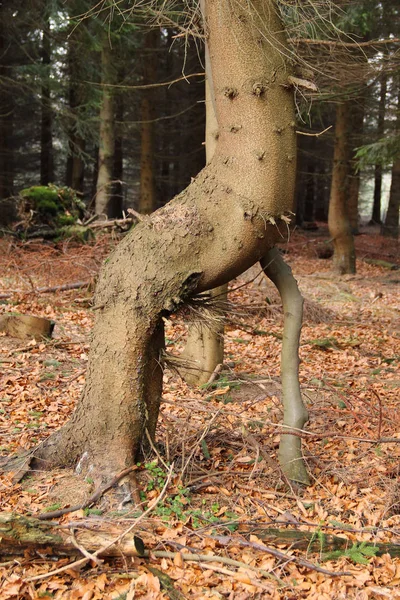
52, 507
222, 382
92, 511
157, 476
324, 343
359, 553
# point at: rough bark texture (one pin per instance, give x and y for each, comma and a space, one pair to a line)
106, 137
219, 226
295, 414
338, 221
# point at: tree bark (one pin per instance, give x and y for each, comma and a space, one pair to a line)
376, 210
148, 201
76, 99
107, 133
7, 106
391, 225
204, 349
226, 220
344, 259
295, 415
46, 137
357, 110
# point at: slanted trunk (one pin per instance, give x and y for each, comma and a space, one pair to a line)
376, 210
223, 223
46, 136
344, 259
106, 137
148, 201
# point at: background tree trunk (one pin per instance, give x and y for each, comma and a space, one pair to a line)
391, 225
148, 201
205, 342
338, 221
46, 137
107, 133
357, 110
376, 210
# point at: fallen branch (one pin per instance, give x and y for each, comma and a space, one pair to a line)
111, 223
19, 533
47, 290
26, 326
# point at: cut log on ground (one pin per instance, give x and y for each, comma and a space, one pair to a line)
26, 326
19, 534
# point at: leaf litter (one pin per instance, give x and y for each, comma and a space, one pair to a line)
226, 493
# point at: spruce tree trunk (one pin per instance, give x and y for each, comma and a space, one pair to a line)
204, 348
117, 200
107, 134
344, 259
391, 225
226, 220
357, 110
76, 143
46, 136
376, 210
148, 201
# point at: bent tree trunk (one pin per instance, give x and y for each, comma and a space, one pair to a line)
344, 259
223, 223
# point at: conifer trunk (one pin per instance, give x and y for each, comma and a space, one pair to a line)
46, 135
107, 134
226, 220
148, 201
344, 260
376, 210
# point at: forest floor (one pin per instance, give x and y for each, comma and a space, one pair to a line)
226, 497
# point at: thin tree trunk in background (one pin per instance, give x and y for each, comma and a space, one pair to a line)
6, 110
46, 136
107, 133
117, 200
357, 110
344, 259
76, 143
376, 210
148, 202
205, 341
310, 194
391, 225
